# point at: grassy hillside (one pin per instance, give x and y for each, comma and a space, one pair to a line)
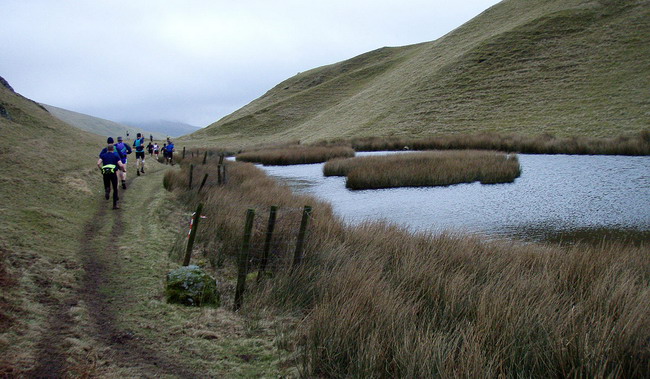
567, 67
163, 127
81, 291
98, 125
46, 182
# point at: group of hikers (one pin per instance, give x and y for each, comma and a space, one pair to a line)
113, 158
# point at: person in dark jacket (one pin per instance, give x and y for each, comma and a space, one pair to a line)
110, 162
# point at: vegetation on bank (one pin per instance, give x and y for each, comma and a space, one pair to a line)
630, 144
383, 302
295, 154
433, 168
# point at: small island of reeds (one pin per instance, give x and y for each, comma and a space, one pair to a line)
425, 169
296, 154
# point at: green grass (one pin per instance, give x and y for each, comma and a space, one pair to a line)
50, 191
568, 68
425, 169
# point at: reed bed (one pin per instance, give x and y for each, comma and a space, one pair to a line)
631, 144
298, 154
433, 168
380, 301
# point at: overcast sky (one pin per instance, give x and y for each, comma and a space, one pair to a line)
196, 61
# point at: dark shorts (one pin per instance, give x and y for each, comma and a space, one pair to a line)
139, 154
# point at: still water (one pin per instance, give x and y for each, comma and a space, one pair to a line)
556, 195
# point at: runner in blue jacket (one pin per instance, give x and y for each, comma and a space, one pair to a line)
124, 149
138, 145
109, 164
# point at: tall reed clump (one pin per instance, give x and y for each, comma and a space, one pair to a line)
395, 304
437, 168
630, 144
383, 302
247, 187
297, 154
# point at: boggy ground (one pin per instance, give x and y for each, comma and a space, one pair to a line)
112, 319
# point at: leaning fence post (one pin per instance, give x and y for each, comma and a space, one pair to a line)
191, 173
205, 157
183, 151
297, 257
267, 242
205, 177
193, 226
242, 261
225, 179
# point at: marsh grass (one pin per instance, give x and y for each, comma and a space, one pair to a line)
630, 144
434, 168
297, 154
383, 302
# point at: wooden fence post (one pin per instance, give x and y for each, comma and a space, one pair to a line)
183, 151
205, 157
205, 177
191, 173
297, 256
267, 242
194, 226
242, 261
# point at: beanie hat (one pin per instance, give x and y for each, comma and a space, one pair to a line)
119, 139
139, 135
109, 140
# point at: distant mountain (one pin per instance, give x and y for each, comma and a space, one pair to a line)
167, 128
98, 125
565, 67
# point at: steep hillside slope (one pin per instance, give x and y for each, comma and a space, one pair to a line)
98, 125
568, 67
48, 175
164, 127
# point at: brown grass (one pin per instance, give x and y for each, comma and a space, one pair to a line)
384, 302
297, 154
437, 168
632, 144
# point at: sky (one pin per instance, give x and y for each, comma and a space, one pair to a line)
196, 61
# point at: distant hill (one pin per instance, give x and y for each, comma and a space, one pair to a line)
566, 67
166, 128
98, 125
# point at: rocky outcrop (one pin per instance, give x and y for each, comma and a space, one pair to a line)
4, 83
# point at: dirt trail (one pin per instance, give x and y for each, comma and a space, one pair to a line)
122, 348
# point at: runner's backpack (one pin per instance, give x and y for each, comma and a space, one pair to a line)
121, 147
138, 144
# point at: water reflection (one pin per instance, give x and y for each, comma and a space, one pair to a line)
556, 195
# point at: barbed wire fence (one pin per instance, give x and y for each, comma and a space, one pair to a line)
273, 240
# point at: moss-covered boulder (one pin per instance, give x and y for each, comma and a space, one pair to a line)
190, 285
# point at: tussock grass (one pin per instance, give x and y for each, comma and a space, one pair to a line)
383, 302
297, 154
437, 168
630, 144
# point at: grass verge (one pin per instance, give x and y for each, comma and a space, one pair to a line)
297, 154
629, 144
